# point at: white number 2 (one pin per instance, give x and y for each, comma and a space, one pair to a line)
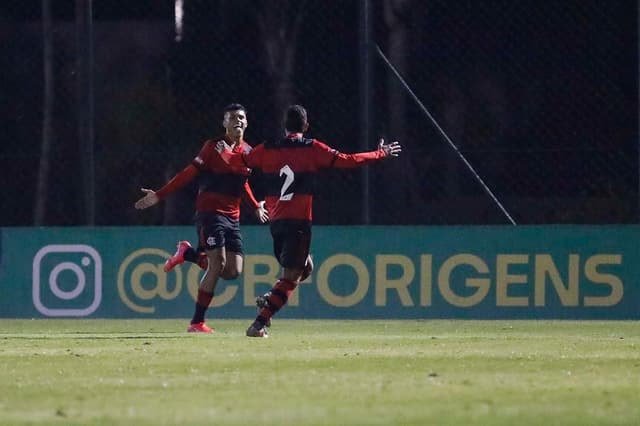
288, 180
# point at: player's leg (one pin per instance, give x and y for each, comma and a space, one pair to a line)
308, 268
234, 265
206, 289
186, 253
211, 232
235, 253
290, 275
291, 248
262, 301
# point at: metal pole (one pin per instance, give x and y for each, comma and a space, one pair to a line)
47, 114
84, 43
365, 101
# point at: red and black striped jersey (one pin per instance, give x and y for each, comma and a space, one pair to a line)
221, 186
290, 166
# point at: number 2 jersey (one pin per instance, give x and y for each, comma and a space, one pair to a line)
221, 186
290, 166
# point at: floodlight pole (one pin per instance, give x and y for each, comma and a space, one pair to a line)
47, 113
364, 35
84, 62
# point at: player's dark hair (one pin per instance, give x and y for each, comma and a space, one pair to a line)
233, 107
295, 118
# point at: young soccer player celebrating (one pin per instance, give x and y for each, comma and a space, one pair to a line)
221, 188
290, 166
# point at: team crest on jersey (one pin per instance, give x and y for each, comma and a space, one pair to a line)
211, 241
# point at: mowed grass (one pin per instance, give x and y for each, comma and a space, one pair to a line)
445, 372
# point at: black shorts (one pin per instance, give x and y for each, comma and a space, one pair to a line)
291, 242
218, 230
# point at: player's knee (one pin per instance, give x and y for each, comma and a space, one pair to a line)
233, 268
230, 273
217, 260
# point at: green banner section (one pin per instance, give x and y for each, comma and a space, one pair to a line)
577, 272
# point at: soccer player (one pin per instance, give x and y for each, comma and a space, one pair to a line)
289, 166
221, 188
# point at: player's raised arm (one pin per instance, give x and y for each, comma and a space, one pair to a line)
329, 157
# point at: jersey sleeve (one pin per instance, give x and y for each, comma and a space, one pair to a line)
207, 157
329, 157
248, 197
201, 159
178, 181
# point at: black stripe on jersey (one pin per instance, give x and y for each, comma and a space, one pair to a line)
289, 143
303, 183
222, 183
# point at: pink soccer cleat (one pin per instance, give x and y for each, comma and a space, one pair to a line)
178, 256
199, 327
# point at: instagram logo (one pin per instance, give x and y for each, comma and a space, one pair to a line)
67, 280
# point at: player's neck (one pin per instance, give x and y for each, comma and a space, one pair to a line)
233, 140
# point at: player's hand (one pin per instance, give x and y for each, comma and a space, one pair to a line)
221, 146
392, 149
261, 213
148, 200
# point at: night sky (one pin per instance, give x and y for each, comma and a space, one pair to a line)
540, 97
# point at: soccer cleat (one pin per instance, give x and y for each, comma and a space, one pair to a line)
199, 327
178, 256
257, 332
263, 302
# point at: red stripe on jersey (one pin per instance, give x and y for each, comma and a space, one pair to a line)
214, 202
224, 177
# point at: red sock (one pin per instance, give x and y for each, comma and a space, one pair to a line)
277, 298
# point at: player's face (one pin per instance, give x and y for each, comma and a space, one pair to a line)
235, 122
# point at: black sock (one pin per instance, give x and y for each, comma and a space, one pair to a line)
202, 304
198, 314
190, 255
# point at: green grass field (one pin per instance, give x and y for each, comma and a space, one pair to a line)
143, 372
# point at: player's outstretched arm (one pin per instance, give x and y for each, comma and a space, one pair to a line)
392, 149
150, 199
178, 181
331, 158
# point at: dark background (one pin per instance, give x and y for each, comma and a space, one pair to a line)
541, 99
